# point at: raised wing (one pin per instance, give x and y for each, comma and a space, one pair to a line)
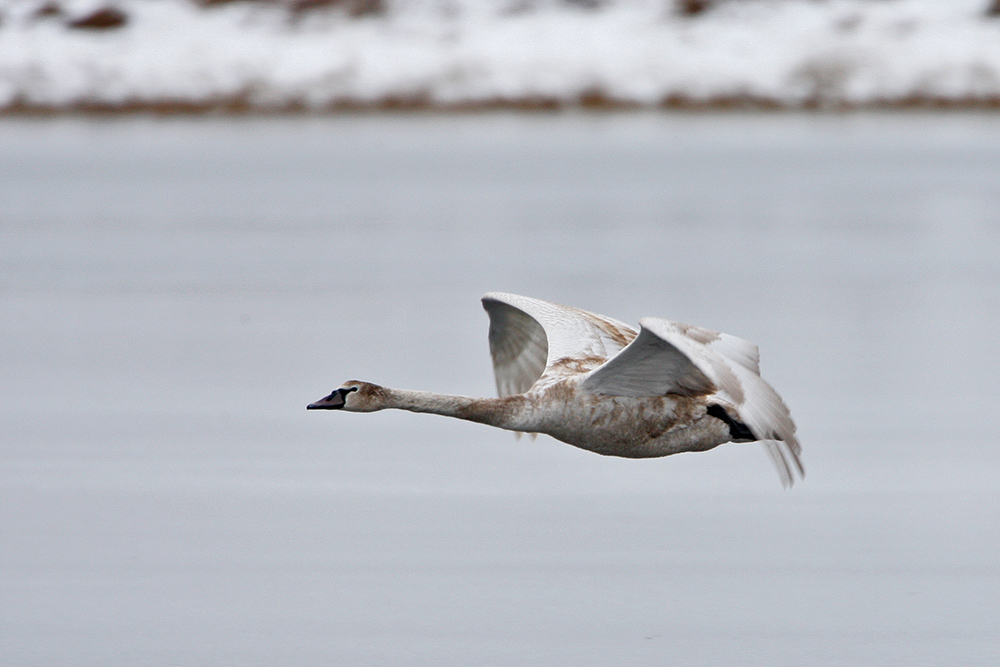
518, 346
674, 358
670, 357
528, 335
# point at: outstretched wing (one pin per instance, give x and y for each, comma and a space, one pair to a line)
528, 335
670, 357
518, 346
654, 365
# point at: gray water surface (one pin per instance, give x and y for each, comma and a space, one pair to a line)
174, 292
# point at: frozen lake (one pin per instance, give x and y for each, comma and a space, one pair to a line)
174, 292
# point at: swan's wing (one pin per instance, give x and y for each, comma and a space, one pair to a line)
527, 335
767, 416
518, 347
736, 349
664, 359
670, 357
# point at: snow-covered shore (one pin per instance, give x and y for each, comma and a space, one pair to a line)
272, 56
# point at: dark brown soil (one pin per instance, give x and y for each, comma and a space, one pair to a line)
242, 105
105, 18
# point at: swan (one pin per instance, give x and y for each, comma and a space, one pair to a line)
595, 383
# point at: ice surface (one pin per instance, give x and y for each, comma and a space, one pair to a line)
174, 292
256, 55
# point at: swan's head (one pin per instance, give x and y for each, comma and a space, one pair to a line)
353, 396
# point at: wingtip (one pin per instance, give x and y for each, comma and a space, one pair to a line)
786, 460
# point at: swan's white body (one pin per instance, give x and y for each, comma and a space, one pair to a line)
596, 383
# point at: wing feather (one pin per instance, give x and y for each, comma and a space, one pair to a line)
518, 347
736, 349
651, 366
767, 416
528, 335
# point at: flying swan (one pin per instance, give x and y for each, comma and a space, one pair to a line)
595, 383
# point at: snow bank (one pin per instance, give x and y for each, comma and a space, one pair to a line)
322, 54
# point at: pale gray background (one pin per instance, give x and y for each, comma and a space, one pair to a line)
173, 293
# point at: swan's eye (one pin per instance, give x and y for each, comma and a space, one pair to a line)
347, 390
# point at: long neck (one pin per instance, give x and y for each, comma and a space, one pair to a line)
508, 412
